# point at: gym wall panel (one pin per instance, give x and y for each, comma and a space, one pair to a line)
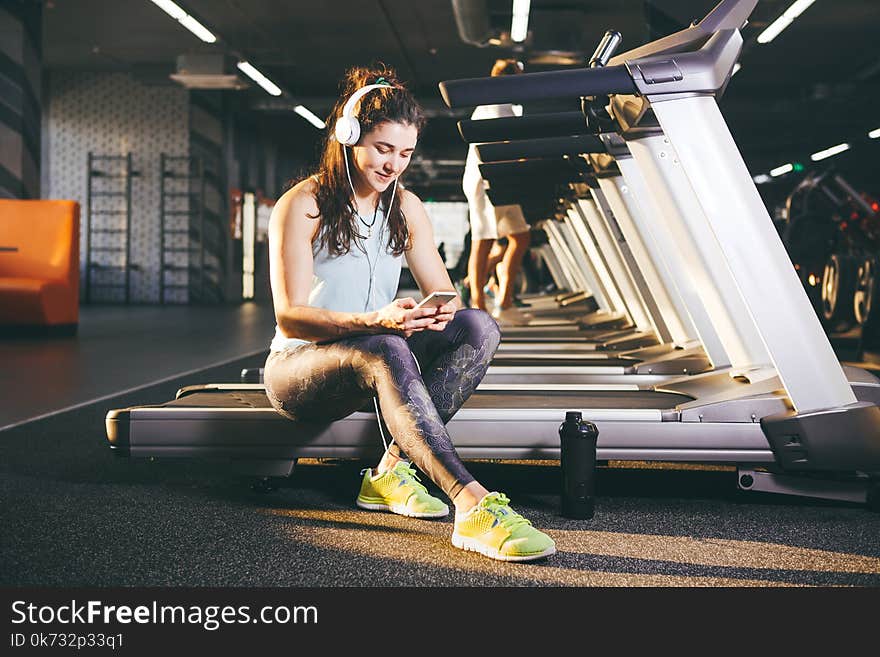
19, 38
10, 92
15, 155
112, 114
208, 126
206, 132
10, 184
28, 134
20, 85
11, 148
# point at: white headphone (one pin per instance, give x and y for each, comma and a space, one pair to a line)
348, 130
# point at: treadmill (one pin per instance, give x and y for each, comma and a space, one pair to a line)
639, 285
556, 134
622, 291
576, 238
621, 275
643, 288
796, 412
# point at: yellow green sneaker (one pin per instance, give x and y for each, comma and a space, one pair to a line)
398, 490
495, 530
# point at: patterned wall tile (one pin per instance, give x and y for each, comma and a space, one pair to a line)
113, 114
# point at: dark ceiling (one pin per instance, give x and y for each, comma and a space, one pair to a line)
815, 85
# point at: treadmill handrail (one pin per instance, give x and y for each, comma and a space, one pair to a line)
649, 69
541, 168
537, 86
545, 147
550, 124
705, 70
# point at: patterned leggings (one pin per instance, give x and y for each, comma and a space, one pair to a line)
331, 380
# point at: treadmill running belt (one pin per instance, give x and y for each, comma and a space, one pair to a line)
223, 399
562, 399
598, 362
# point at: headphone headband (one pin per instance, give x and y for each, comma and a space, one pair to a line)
360, 93
348, 130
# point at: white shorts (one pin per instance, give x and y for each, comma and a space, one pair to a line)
489, 222
510, 220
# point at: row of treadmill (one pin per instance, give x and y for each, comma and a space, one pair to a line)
684, 333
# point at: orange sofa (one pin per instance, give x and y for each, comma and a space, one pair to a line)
39, 265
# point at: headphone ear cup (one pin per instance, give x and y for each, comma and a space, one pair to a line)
347, 130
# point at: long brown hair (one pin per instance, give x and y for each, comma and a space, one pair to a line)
338, 215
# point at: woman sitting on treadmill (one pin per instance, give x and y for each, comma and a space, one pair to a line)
335, 245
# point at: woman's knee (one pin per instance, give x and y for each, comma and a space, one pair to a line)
389, 345
476, 326
386, 352
379, 345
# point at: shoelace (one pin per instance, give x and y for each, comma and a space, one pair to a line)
407, 475
497, 505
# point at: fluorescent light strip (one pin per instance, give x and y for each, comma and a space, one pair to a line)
198, 29
797, 8
785, 168
519, 26
762, 178
309, 116
267, 84
736, 68
828, 152
819, 155
186, 20
170, 8
773, 30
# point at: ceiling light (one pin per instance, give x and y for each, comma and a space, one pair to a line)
519, 26
874, 133
762, 178
198, 29
736, 68
170, 8
307, 114
267, 84
186, 20
797, 8
788, 16
785, 168
828, 152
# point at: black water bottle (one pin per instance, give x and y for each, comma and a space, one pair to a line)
578, 460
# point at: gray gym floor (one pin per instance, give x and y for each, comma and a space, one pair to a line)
73, 514
119, 348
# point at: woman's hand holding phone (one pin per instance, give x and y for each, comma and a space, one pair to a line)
444, 304
444, 315
405, 316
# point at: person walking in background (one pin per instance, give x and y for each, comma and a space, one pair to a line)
489, 222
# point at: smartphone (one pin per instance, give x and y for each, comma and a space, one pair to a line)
437, 299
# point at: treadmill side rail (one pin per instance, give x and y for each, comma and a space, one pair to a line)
855, 490
846, 438
117, 423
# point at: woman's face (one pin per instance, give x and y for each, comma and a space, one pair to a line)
384, 153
